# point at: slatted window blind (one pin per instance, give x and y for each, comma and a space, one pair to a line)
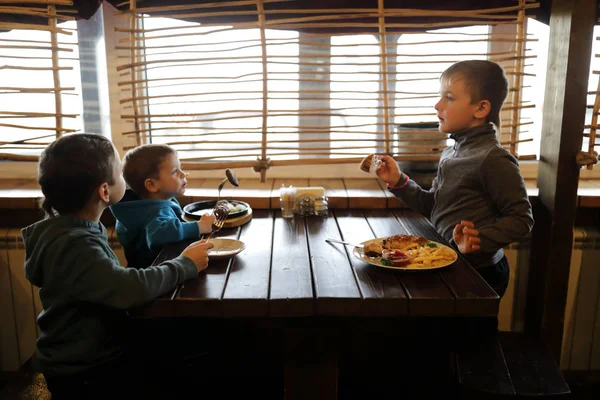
39, 80
329, 86
591, 137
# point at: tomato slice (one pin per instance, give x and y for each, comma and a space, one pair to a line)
396, 256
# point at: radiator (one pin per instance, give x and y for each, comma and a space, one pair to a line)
20, 301
20, 304
581, 335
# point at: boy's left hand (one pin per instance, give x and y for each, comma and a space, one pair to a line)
466, 237
205, 223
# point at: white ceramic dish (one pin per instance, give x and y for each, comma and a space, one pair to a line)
225, 247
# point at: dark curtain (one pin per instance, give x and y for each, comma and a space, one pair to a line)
86, 8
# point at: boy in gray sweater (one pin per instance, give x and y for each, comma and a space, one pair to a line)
478, 200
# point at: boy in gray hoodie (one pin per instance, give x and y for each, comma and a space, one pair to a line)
85, 292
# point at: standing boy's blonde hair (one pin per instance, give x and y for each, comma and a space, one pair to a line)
484, 80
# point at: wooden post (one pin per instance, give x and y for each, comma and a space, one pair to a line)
571, 35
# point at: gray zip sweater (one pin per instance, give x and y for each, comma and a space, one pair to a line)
85, 293
479, 181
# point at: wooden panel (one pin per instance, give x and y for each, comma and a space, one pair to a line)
291, 277
204, 189
253, 192
473, 294
427, 292
585, 311
287, 182
22, 297
336, 289
365, 193
481, 369
374, 283
247, 287
20, 193
335, 190
589, 197
9, 344
393, 201
208, 286
532, 367
571, 35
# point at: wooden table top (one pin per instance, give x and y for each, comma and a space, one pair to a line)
287, 269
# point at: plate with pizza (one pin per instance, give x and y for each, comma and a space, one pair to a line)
405, 252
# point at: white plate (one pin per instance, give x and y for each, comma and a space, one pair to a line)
225, 247
358, 253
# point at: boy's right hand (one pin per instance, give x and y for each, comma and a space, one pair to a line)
389, 171
198, 253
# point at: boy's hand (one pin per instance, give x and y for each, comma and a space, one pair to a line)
205, 223
198, 253
389, 171
466, 237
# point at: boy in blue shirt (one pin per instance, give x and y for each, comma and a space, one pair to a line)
149, 216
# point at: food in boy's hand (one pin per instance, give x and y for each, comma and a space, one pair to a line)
371, 163
365, 164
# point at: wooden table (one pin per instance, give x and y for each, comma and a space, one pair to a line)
290, 274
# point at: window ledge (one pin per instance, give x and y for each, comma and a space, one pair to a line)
342, 193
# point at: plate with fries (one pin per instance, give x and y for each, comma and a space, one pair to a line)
426, 256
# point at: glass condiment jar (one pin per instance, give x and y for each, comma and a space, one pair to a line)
321, 206
306, 206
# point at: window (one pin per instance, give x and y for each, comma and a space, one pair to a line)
289, 92
29, 118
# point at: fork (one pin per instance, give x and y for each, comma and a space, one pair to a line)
221, 213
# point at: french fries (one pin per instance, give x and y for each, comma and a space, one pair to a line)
427, 257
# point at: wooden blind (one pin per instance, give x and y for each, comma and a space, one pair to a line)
591, 138
37, 77
293, 90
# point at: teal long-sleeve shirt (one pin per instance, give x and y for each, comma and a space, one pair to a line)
145, 226
85, 293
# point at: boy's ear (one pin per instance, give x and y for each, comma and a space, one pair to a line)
104, 192
151, 185
483, 109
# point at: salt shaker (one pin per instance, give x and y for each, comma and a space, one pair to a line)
322, 206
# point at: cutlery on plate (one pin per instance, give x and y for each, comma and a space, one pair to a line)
346, 243
359, 245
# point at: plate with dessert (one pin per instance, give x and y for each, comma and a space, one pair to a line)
405, 252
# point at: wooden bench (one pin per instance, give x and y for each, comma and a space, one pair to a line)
508, 365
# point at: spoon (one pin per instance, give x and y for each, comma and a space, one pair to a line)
231, 178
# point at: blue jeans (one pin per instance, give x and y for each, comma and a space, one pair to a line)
496, 275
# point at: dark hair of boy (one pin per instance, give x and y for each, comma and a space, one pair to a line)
142, 163
71, 168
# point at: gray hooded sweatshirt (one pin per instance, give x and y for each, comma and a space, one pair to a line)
85, 293
479, 181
